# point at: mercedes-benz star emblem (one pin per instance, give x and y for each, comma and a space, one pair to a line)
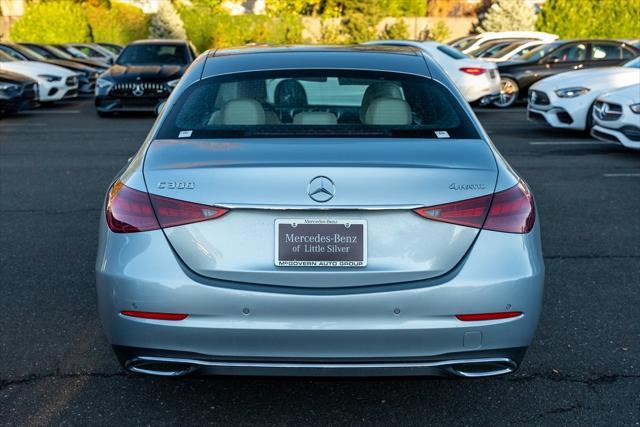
138, 90
321, 189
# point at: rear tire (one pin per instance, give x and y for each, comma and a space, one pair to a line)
509, 91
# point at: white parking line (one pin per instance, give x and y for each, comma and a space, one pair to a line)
22, 125
578, 142
618, 175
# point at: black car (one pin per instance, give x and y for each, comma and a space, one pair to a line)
17, 92
87, 75
53, 52
143, 75
557, 57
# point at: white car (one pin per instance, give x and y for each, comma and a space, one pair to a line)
467, 44
476, 79
616, 117
54, 83
566, 100
514, 50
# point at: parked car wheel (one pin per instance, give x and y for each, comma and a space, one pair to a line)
509, 91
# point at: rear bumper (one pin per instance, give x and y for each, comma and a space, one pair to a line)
467, 365
401, 329
475, 88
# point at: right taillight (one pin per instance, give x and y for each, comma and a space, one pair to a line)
131, 211
510, 211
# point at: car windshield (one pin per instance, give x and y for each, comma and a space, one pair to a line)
154, 54
634, 63
539, 52
451, 52
75, 52
464, 43
29, 53
507, 49
318, 103
6, 58
59, 53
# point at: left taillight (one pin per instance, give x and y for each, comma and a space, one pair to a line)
509, 211
131, 211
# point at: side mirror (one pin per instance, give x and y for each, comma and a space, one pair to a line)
159, 107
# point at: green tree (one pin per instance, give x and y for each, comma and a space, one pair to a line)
279, 8
590, 18
358, 19
116, 22
396, 31
404, 7
166, 23
507, 15
440, 32
59, 21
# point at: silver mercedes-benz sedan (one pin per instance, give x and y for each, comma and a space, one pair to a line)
319, 211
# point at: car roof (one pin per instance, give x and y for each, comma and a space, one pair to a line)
328, 49
159, 41
401, 59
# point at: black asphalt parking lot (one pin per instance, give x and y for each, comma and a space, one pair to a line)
57, 368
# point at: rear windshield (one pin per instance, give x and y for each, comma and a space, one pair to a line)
317, 103
154, 54
451, 52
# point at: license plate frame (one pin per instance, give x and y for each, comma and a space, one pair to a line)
320, 242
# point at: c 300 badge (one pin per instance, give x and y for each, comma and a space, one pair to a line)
176, 185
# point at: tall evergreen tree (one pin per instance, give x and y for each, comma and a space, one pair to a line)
166, 23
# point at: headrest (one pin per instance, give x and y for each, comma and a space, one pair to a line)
388, 111
315, 118
378, 90
290, 92
244, 111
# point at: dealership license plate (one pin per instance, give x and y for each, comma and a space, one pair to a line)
319, 242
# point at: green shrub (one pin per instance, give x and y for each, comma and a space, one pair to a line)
404, 7
440, 32
59, 21
198, 22
240, 30
117, 23
396, 31
590, 18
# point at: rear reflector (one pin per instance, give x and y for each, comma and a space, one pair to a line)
474, 71
155, 316
130, 211
488, 316
510, 211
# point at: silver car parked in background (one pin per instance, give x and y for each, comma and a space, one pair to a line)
319, 211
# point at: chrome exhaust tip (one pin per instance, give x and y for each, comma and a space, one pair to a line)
160, 366
483, 368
